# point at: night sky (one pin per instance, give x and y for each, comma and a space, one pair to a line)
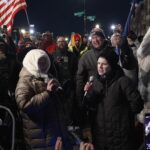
58, 15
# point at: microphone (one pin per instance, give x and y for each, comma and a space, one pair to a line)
91, 79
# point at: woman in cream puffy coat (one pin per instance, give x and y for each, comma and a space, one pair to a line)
39, 103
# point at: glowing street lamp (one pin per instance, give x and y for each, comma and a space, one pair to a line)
97, 26
89, 38
66, 39
23, 31
31, 31
113, 27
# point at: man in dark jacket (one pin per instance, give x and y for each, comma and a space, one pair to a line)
8, 81
66, 66
65, 61
87, 63
7, 78
112, 102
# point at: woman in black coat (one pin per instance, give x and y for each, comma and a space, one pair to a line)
112, 102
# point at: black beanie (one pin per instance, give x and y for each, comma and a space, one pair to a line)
110, 56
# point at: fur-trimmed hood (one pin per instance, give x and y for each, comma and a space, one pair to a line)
143, 55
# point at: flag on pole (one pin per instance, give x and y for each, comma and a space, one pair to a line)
8, 10
128, 22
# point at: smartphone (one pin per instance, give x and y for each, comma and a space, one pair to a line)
147, 131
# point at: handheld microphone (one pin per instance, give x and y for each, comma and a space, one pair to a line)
91, 79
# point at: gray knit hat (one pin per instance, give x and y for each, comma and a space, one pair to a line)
98, 32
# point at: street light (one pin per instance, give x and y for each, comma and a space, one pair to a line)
89, 38
31, 25
113, 27
31, 31
97, 26
23, 31
66, 39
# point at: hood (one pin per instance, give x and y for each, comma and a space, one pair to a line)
30, 62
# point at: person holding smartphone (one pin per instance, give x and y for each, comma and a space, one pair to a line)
40, 106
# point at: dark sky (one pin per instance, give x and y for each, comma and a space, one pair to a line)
57, 15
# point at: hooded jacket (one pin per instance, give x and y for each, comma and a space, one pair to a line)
115, 102
42, 122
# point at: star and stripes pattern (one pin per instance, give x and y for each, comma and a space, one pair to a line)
8, 10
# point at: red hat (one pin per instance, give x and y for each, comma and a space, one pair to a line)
77, 37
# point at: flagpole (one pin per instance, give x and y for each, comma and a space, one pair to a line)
127, 24
27, 16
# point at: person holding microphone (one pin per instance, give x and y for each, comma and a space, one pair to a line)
113, 103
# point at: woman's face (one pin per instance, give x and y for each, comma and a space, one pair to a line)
43, 64
103, 66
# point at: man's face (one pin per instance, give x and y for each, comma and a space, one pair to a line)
47, 37
61, 43
97, 41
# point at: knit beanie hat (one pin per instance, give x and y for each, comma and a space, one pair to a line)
98, 32
110, 56
77, 37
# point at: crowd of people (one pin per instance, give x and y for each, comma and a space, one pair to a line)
83, 94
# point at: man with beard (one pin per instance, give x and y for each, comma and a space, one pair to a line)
66, 66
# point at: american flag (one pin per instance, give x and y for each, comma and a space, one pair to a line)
8, 10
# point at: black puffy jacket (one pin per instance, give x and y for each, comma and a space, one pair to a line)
116, 102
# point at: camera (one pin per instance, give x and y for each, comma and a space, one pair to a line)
57, 86
60, 59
